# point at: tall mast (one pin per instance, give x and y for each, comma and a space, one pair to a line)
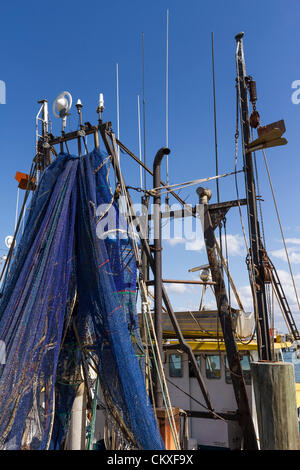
167, 94
258, 286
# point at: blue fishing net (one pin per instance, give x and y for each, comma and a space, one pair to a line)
70, 301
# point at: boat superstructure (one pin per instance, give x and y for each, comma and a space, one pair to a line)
166, 378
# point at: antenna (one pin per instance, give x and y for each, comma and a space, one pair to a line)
79, 110
118, 110
17, 207
167, 103
140, 143
24, 215
100, 108
41, 135
215, 114
61, 107
144, 107
167, 92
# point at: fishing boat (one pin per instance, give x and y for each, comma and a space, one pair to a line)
83, 369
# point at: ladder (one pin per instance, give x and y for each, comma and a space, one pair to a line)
283, 301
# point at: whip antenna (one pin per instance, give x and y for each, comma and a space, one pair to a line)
144, 106
167, 101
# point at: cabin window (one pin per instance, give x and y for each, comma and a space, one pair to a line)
175, 365
245, 363
191, 370
213, 367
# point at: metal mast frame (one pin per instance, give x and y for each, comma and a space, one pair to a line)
256, 248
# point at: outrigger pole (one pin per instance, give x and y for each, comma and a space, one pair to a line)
225, 316
256, 248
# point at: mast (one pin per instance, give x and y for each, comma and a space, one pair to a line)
256, 253
225, 318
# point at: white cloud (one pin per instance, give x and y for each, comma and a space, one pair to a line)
195, 245
287, 285
245, 295
293, 241
176, 241
179, 288
293, 252
235, 245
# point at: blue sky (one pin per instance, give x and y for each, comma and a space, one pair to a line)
50, 47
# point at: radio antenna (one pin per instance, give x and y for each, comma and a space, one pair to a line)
118, 110
140, 141
144, 107
215, 114
167, 102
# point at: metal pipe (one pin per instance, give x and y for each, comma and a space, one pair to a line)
158, 265
182, 281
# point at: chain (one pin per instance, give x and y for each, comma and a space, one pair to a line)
251, 268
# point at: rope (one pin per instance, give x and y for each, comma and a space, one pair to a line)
92, 429
159, 365
197, 401
280, 306
267, 287
281, 230
227, 264
166, 397
190, 183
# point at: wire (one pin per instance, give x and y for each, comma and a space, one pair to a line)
159, 365
195, 400
281, 230
191, 183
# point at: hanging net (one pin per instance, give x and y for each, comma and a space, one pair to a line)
68, 305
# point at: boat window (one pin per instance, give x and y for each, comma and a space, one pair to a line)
245, 363
191, 370
175, 365
213, 367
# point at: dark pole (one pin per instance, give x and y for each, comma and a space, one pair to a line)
258, 286
224, 312
158, 265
